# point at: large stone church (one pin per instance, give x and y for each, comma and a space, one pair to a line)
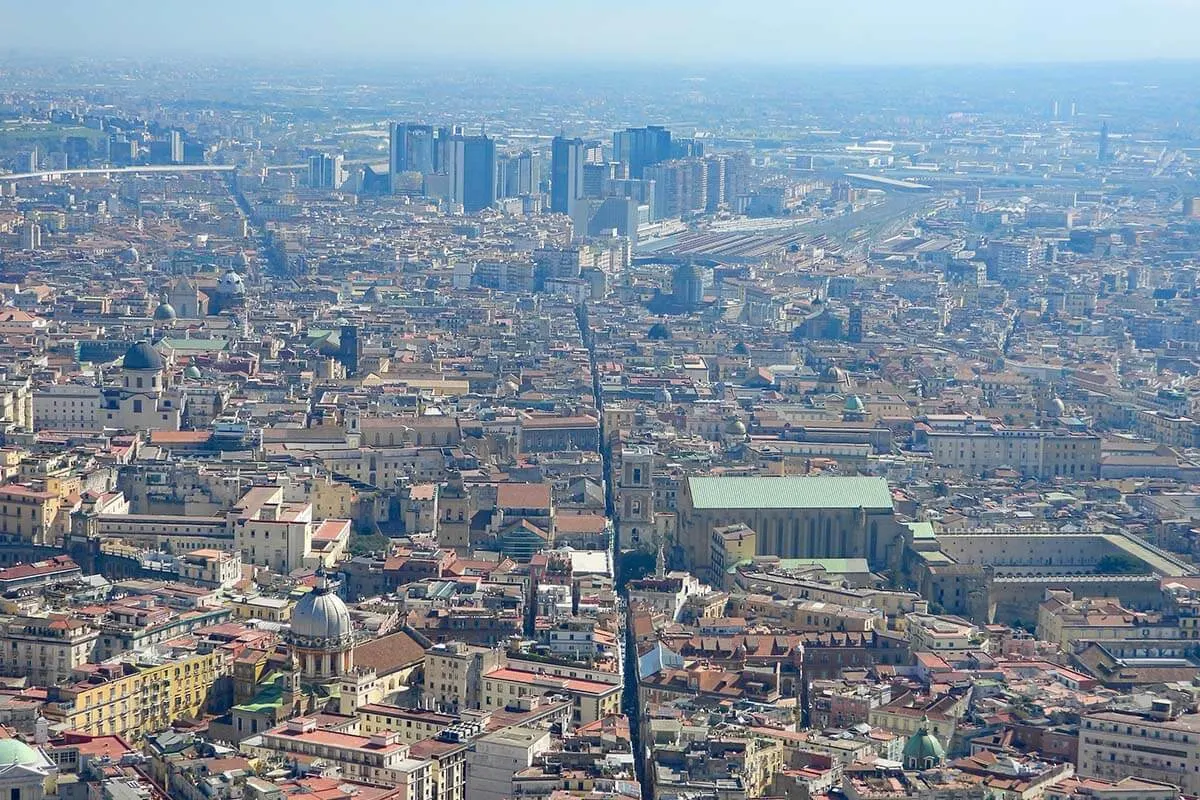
792, 517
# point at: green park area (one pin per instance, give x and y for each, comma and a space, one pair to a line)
18, 135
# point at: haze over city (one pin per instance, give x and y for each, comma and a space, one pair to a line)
635, 401
530, 31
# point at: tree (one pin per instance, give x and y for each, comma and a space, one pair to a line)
364, 544
1119, 564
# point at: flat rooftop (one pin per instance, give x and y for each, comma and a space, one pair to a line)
1157, 560
793, 492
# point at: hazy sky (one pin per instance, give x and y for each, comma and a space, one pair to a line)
708, 31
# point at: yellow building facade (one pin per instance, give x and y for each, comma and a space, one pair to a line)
135, 697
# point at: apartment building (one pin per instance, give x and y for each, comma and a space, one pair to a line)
136, 694
1158, 746
30, 514
498, 757
454, 675
1065, 620
271, 531
412, 725
591, 700
1033, 453
45, 649
380, 759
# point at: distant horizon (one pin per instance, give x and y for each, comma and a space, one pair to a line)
347, 61
768, 33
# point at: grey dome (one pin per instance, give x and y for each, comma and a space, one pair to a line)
165, 312
735, 427
143, 356
833, 374
321, 617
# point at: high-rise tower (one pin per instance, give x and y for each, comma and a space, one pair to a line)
566, 174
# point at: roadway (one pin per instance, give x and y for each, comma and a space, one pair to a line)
55, 174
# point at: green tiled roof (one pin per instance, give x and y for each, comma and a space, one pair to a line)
921, 530
270, 696
774, 493
196, 345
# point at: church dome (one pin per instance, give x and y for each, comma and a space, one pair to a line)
923, 750
854, 405
735, 427
165, 312
321, 618
14, 751
143, 356
192, 373
833, 374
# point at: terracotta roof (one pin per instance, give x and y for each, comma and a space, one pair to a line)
389, 653
580, 523
180, 437
523, 495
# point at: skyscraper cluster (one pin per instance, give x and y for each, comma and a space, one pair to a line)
644, 176
443, 162
325, 171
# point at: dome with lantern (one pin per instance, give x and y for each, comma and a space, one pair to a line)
143, 356
322, 634
165, 312
923, 750
320, 617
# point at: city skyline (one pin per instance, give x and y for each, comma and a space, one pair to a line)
660, 401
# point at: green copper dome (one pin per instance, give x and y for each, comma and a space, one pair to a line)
923, 750
14, 751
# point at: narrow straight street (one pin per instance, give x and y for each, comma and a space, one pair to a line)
629, 698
